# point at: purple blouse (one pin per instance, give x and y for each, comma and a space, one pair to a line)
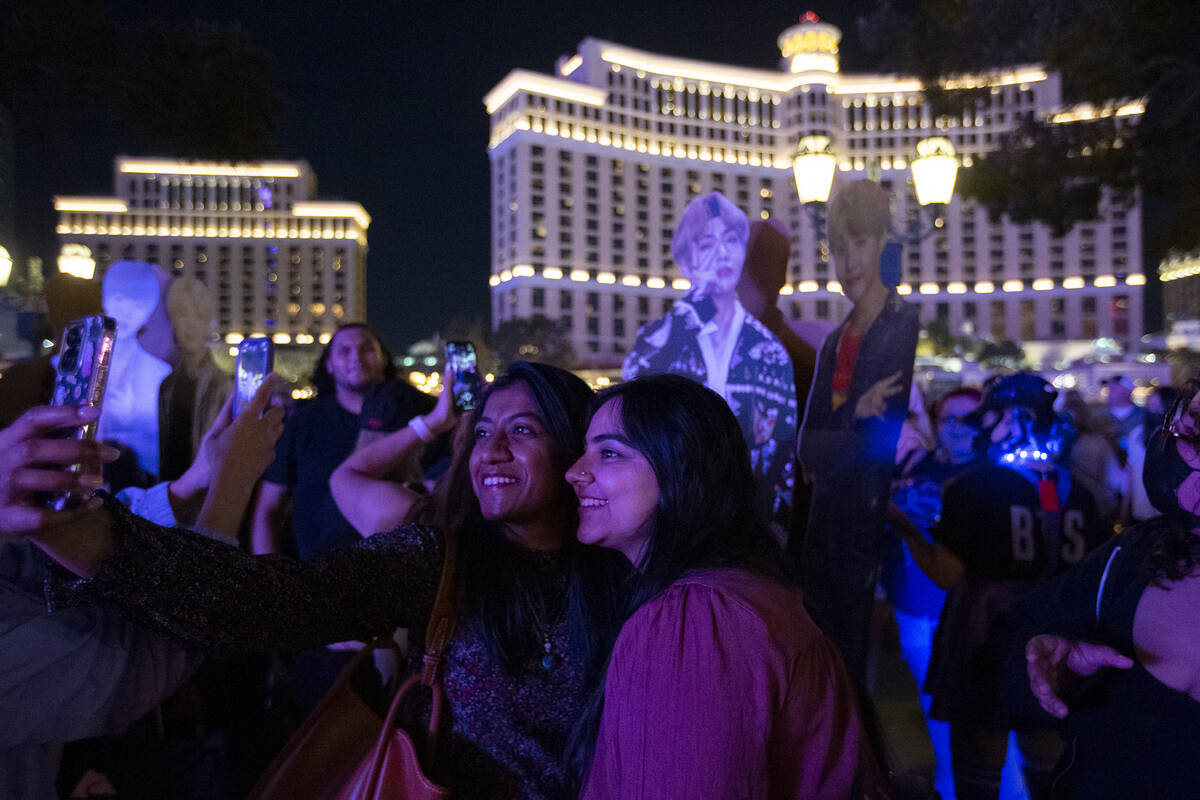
723, 687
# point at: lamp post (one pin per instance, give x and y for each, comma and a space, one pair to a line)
933, 170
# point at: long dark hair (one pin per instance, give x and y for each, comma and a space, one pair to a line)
322, 381
489, 567
1177, 552
708, 513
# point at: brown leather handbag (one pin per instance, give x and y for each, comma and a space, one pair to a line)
344, 752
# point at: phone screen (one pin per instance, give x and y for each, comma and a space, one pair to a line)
461, 358
255, 359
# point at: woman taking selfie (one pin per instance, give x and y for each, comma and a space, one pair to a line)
719, 684
533, 605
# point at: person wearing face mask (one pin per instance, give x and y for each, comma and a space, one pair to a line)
710, 337
1110, 647
916, 600
852, 423
719, 685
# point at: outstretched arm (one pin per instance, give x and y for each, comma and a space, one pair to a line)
359, 485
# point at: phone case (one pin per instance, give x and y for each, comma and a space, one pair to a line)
81, 377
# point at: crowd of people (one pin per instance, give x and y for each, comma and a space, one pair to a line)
643, 607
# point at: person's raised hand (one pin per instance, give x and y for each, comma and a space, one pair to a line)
445, 414
33, 460
874, 401
1053, 662
245, 445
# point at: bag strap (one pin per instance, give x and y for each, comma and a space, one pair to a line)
443, 617
441, 625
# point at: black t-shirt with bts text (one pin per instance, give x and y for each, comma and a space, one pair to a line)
992, 520
315, 441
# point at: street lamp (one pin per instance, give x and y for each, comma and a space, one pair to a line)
76, 259
813, 167
6, 265
933, 170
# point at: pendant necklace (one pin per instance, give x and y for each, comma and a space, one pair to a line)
550, 659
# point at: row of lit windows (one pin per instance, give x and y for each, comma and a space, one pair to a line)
1013, 319
213, 194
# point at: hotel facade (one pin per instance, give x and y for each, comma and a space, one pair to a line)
592, 166
279, 262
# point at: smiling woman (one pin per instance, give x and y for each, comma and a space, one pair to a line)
719, 676
534, 605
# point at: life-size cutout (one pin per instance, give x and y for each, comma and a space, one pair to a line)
130, 417
190, 398
711, 338
858, 402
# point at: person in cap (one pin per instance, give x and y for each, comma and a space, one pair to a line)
709, 337
1007, 526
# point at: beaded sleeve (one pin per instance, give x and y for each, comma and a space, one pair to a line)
222, 600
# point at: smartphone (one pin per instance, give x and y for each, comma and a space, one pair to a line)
465, 374
84, 358
255, 360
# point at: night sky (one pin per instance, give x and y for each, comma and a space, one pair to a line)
385, 101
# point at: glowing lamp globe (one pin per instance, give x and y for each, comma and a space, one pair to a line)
76, 259
813, 167
6, 265
934, 170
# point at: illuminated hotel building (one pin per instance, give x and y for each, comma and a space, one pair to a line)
278, 261
1180, 276
591, 166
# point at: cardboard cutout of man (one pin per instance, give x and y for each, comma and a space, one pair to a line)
190, 398
130, 417
710, 337
852, 423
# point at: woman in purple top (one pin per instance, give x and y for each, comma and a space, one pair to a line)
719, 684
533, 604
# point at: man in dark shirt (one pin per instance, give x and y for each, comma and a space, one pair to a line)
316, 440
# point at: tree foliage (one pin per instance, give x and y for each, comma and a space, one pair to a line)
1104, 50
537, 339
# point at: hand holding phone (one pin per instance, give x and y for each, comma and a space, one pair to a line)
466, 385
80, 379
255, 360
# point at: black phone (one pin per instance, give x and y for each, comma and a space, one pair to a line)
464, 373
255, 360
84, 358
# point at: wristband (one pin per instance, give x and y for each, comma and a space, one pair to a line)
421, 428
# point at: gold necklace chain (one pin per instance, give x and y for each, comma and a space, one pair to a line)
550, 659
